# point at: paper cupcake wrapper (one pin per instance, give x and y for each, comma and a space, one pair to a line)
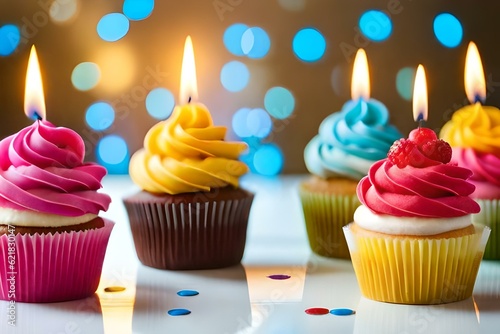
490, 216
183, 236
325, 215
52, 267
417, 271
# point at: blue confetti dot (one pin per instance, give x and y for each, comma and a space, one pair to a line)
309, 45
279, 102
255, 42
187, 293
448, 30
112, 27
342, 311
375, 25
10, 36
85, 76
268, 160
233, 38
100, 116
234, 76
159, 103
138, 9
178, 311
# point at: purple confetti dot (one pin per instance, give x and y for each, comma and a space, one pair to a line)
279, 277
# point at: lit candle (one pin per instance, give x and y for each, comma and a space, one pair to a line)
475, 86
189, 86
34, 101
360, 83
420, 107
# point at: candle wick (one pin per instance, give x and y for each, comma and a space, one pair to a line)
477, 98
36, 116
189, 99
420, 123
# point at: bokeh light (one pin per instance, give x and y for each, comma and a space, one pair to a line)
118, 66
112, 152
268, 160
404, 82
255, 42
63, 11
448, 30
100, 116
159, 103
375, 25
232, 38
138, 9
113, 27
10, 37
249, 122
309, 45
234, 76
85, 76
279, 102
292, 5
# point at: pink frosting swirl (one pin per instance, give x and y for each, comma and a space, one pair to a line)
42, 170
485, 168
438, 191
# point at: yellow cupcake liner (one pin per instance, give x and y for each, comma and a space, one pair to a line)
325, 215
490, 216
403, 270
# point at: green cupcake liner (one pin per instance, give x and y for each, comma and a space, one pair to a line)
325, 214
490, 216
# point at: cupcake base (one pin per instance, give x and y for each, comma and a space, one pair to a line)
490, 216
52, 267
328, 206
407, 270
190, 231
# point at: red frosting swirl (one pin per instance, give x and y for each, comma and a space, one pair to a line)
438, 191
485, 168
42, 170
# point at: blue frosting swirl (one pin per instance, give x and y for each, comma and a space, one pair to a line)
351, 140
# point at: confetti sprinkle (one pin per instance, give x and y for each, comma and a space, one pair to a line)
178, 311
317, 311
342, 311
279, 277
187, 293
114, 289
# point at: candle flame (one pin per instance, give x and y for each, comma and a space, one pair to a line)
360, 83
189, 86
34, 101
475, 86
420, 108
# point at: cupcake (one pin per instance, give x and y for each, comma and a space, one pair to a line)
190, 213
412, 240
474, 134
348, 142
52, 242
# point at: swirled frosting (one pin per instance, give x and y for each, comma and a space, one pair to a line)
187, 153
42, 171
349, 141
476, 127
485, 168
439, 191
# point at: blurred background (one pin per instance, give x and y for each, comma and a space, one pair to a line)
269, 70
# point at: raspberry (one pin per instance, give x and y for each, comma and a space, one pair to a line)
437, 150
421, 136
400, 152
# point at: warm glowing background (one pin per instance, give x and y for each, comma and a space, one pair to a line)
149, 56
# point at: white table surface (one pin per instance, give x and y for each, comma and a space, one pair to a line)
242, 299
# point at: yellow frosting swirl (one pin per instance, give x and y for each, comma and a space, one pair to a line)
476, 127
187, 153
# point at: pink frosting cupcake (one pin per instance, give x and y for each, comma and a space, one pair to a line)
52, 242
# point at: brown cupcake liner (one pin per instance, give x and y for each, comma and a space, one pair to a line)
325, 214
183, 236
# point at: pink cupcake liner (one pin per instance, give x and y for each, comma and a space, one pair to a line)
183, 236
53, 267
